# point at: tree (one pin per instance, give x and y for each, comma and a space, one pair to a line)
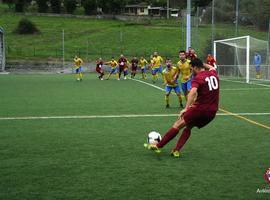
70, 6
42, 6
55, 6
19, 5
259, 12
10, 3
90, 7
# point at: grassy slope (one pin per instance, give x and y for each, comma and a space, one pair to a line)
103, 37
104, 158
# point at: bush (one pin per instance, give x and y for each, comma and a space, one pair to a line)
25, 26
70, 6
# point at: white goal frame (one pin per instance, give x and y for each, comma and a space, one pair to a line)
247, 51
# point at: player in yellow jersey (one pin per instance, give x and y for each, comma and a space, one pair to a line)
184, 71
113, 63
169, 74
78, 68
156, 66
142, 63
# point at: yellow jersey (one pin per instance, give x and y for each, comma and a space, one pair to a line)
143, 63
113, 63
184, 69
78, 62
157, 61
168, 76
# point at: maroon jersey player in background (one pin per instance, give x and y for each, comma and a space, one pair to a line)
210, 60
99, 68
123, 66
134, 66
198, 111
191, 54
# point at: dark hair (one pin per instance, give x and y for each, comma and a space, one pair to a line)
196, 62
182, 51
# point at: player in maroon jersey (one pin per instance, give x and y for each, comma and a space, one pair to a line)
210, 60
99, 69
191, 54
134, 66
198, 111
123, 66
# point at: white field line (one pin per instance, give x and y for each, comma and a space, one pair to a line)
226, 89
259, 84
243, 89
116, 116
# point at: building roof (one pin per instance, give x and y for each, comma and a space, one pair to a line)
140, 5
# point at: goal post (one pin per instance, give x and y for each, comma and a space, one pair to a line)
2, 50
236, 58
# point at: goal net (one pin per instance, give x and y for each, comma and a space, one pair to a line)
243, 58
2, 50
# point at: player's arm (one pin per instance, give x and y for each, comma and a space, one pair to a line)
208, 67
175, 77
164, 79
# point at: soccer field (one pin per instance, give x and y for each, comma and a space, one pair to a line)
62, 139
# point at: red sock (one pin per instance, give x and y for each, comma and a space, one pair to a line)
183, 138
172, 132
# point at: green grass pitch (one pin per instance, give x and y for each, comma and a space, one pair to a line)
104, 158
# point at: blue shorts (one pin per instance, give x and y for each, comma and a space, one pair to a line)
156, 70
186, 87
143, 70
177, 90
79, 70
113, 71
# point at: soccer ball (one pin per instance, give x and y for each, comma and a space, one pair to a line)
153, 137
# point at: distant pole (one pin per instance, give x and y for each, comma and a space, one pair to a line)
87, 50
121, 39
268, 54
168, 7
3, 50
213, 25
236, 17
63, 48
188, 32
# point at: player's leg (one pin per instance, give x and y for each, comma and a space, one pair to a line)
142, 71
132, 74
168, 90
77, 74
172, 132
192, 117
154, 75
125, 73
102, 74
179, 124
135, 72
258, 71
178, 93
184, 89
120, 72
80, 73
